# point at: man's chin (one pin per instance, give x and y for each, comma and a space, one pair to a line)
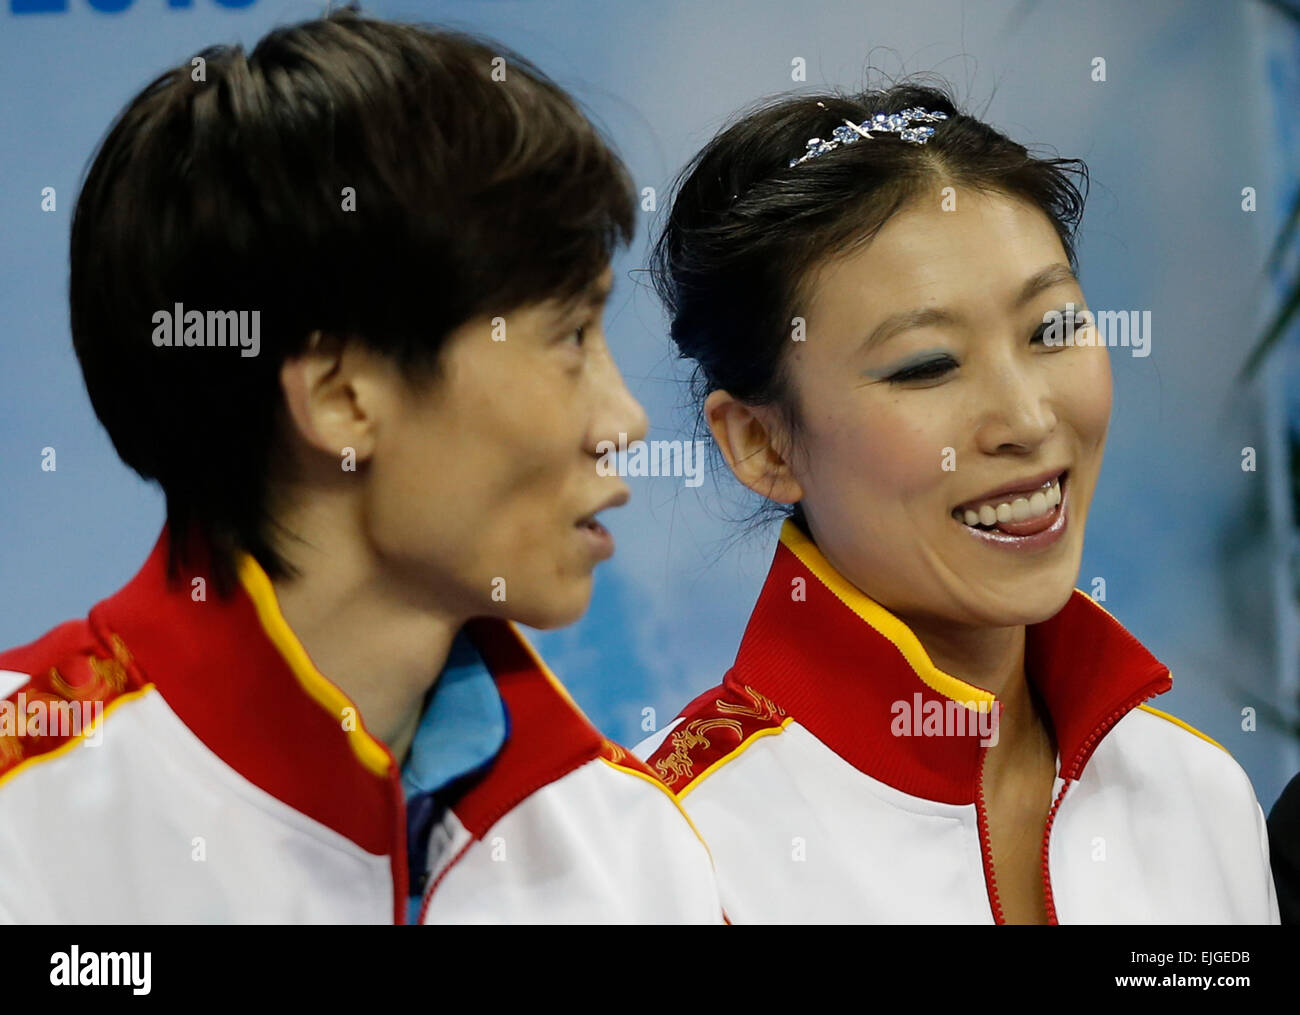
561, 611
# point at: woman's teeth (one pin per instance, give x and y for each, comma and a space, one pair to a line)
1019, 509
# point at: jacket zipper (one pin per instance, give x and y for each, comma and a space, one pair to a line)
399, 862
1083, 754
435, 882
986, 850
1049, 902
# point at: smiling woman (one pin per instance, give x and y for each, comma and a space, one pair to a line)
869, 325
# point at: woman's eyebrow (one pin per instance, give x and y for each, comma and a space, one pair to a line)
1052, 275
920, 317
905, 320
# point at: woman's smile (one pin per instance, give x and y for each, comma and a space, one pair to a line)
1025, 518
1033, 531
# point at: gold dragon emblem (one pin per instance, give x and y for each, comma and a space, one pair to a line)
678, 764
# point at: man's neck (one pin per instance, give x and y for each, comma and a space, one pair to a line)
364, 632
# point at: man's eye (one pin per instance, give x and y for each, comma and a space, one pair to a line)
930, 370
578, 336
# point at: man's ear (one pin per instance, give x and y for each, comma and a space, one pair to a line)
328, 393
755, 444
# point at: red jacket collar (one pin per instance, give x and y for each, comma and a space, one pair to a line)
234, 672
237, 676
837, 662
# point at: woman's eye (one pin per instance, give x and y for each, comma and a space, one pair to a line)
928, 371
577, 337
1070, 324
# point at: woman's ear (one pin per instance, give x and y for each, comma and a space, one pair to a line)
327, 391
755, 443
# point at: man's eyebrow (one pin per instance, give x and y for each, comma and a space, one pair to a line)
594, 294
921, 317
597, 292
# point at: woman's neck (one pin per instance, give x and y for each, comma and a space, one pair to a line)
992, 658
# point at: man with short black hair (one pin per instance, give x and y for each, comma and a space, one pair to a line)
341, 298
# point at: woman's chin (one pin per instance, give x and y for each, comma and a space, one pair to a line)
1023, 606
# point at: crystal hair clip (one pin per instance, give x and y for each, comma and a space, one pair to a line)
890, 123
